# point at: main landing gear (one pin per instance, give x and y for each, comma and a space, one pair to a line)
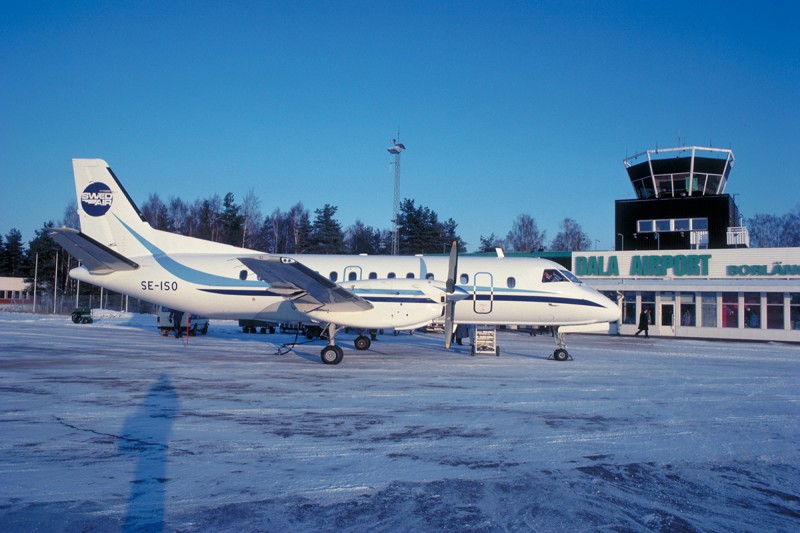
561, 353
333, 354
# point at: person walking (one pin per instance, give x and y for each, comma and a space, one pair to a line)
177, 318
644, 323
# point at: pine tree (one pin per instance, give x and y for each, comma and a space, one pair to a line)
13, 258
230, 222
326, 232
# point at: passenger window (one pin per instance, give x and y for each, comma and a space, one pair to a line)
243, 275
373, 275
410, 275
333, 276
464, 279
511, 283
352, 276
392, 275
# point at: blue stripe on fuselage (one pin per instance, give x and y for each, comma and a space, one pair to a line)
186, 273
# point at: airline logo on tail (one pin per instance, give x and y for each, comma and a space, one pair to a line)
96, 199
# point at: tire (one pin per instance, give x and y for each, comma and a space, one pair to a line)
272, 329
76, 318
362, 342
86, 320
560, 355
263, 331
331, 355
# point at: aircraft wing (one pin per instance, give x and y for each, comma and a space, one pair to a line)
305, 288
99, 259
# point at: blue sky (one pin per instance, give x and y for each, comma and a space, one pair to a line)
505, 107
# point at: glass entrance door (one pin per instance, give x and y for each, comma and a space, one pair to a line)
667, 319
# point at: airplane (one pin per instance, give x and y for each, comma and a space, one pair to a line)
120, 251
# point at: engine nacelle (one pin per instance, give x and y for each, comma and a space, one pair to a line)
399, 303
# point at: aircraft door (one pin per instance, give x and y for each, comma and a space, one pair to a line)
667, 319
352, 273
483, 293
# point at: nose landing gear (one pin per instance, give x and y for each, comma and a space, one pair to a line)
561, 353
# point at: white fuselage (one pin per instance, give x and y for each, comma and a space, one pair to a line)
499, 290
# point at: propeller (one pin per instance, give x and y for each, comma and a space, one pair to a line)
450, 302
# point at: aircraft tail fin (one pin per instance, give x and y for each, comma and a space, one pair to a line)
110, 218
107, 214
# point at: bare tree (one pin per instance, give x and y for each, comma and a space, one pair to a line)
571, 237
178, 214
251, 217
775, 231
298, 223
525, 235
71, 219
362, 239
154, 212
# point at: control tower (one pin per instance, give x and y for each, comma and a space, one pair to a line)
680, 201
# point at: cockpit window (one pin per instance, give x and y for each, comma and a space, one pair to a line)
570, 276
552, 275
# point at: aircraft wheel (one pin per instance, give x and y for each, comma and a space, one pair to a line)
560, 355
331, 355
362, 342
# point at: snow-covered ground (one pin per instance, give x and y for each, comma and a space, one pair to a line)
111, 426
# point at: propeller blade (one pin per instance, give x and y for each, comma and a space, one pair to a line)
449, 308
452, 268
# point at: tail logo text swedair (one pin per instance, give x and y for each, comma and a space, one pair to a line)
96, 199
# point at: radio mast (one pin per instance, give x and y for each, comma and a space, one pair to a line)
394, 160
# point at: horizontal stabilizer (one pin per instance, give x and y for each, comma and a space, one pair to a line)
99, 259
307, 290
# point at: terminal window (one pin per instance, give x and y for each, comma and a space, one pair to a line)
775, 310
730, 310
752, 310
664, 225
709, 309
687, 309
794, 309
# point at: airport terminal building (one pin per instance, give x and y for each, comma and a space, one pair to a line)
682, 253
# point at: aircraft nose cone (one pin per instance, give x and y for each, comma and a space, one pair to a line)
611, 311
